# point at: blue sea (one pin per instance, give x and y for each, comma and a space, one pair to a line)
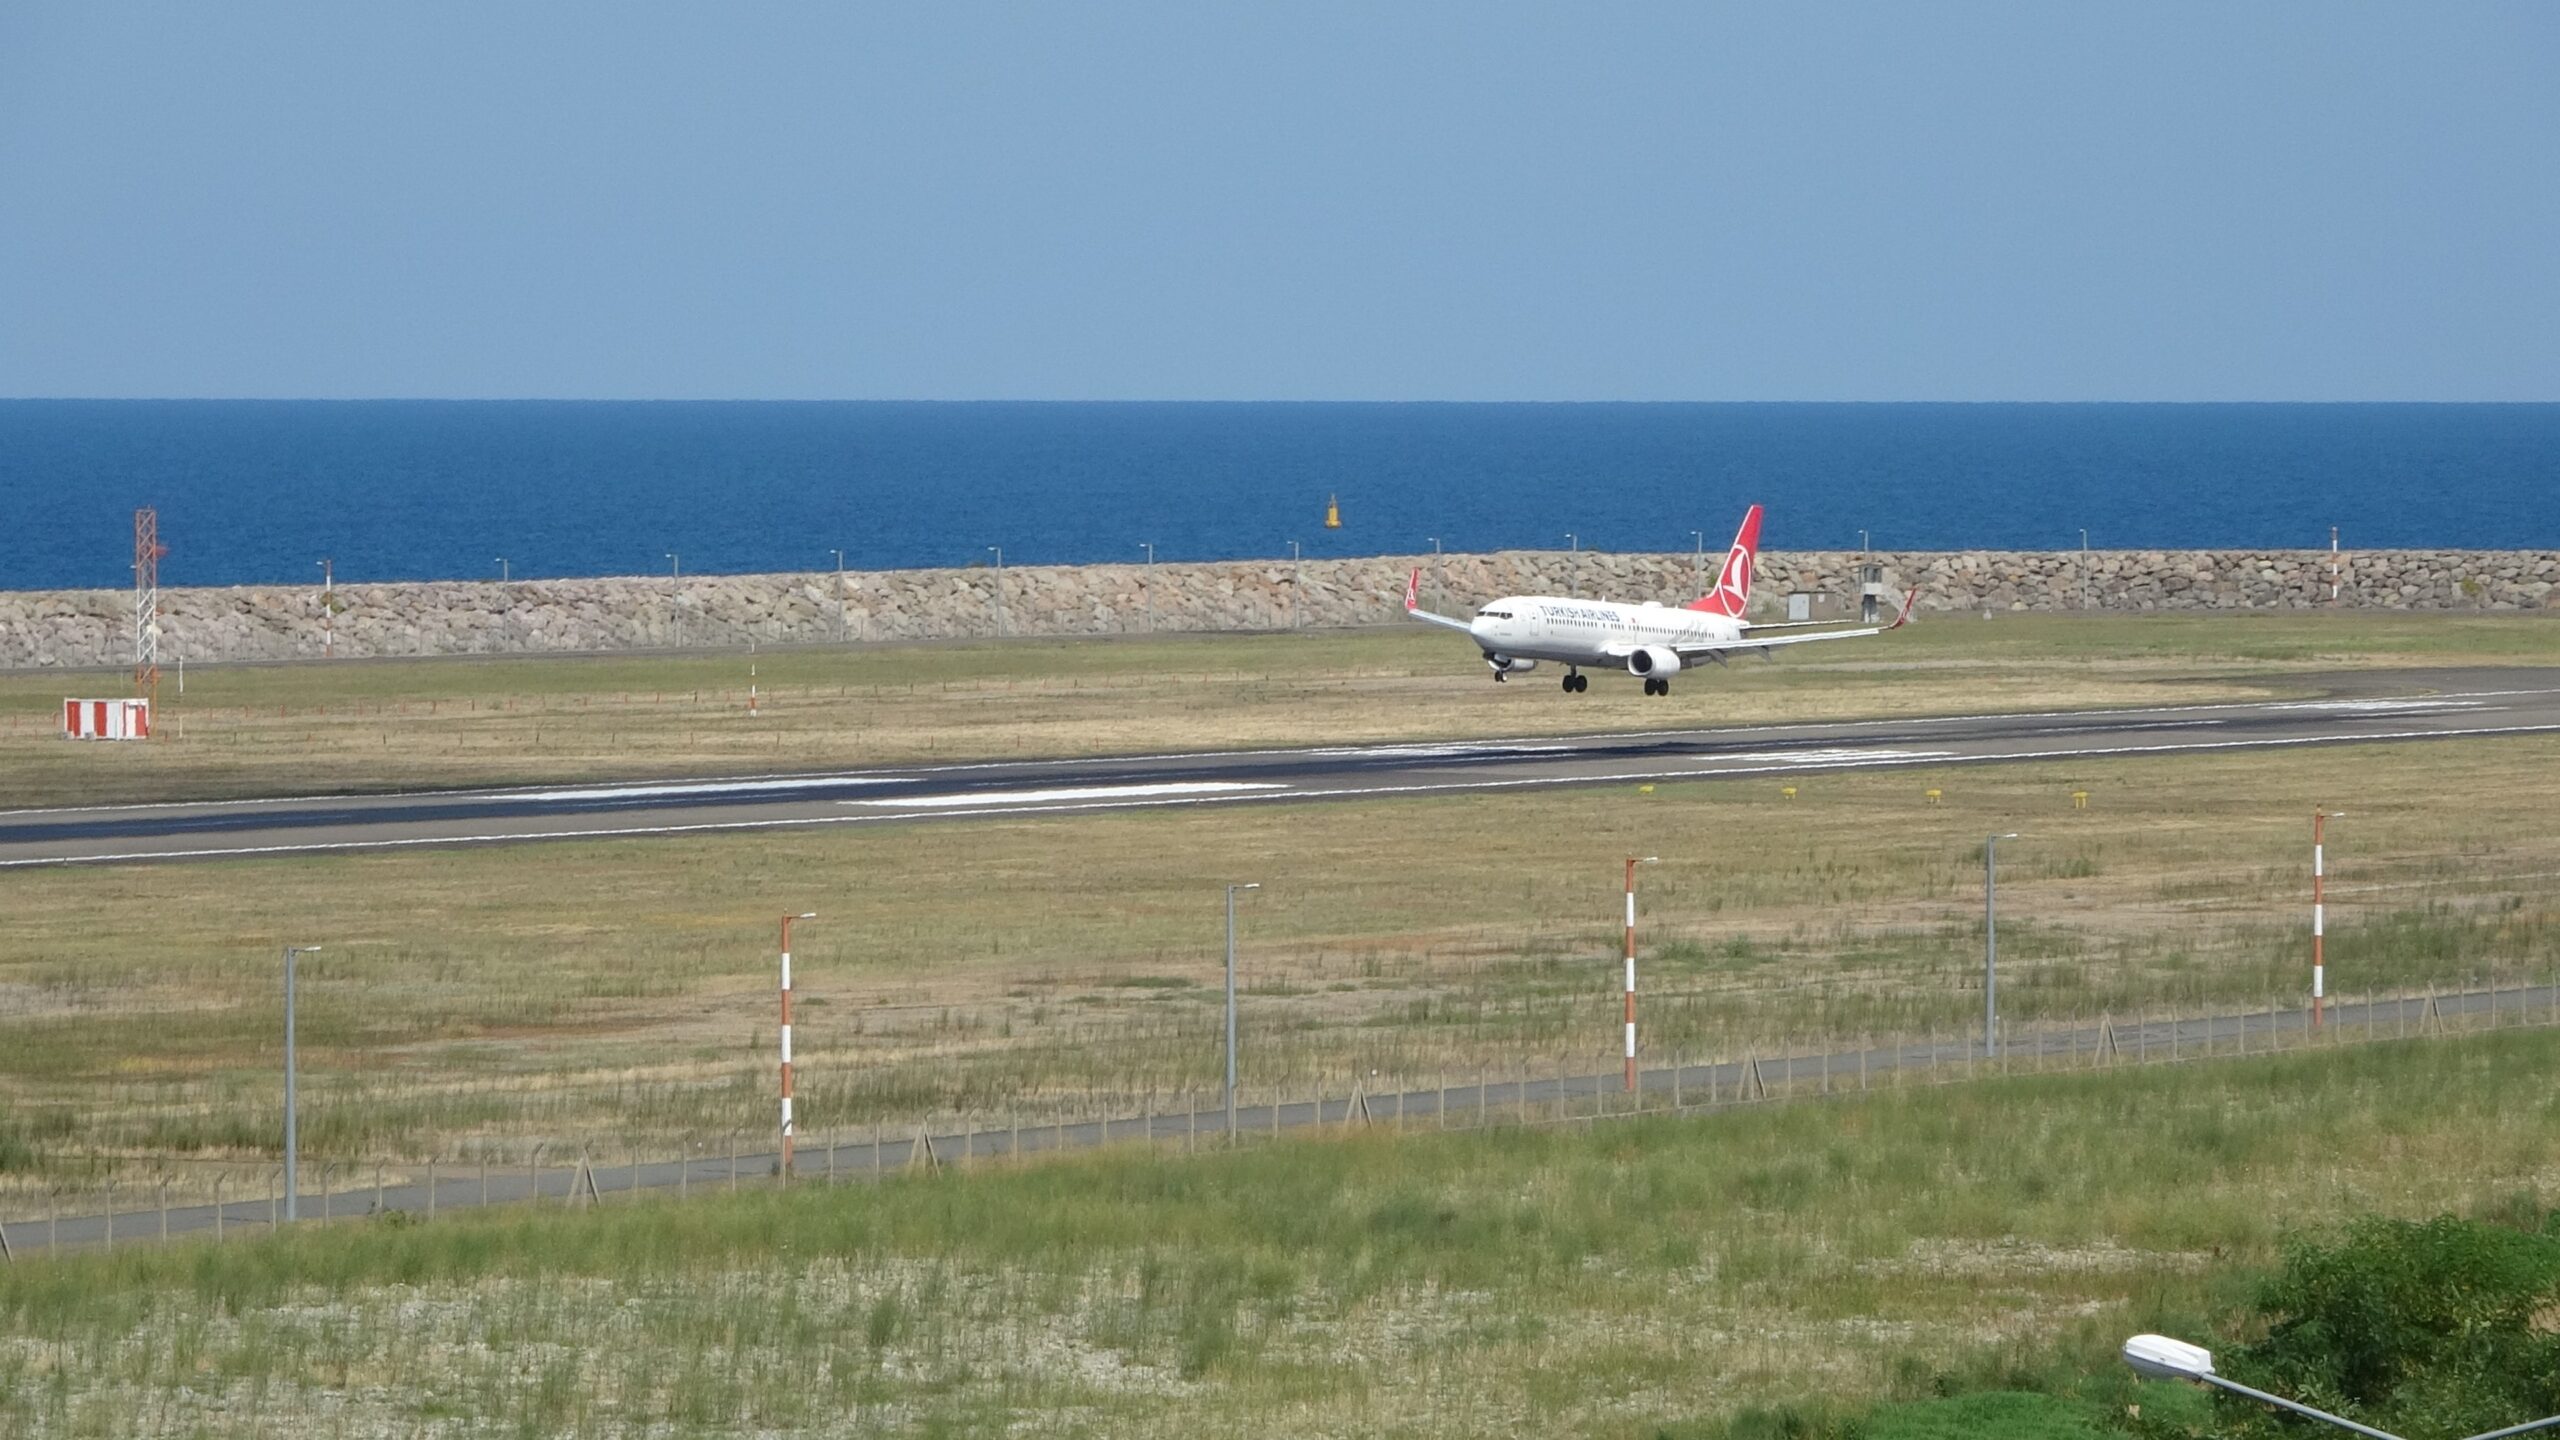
260, 491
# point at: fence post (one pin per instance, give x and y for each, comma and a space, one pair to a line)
217, 1207
733, 1162
484, 1181
377, 1187
431, 1187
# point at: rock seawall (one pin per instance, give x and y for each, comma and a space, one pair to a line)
75, 628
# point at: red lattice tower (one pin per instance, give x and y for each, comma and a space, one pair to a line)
147, 551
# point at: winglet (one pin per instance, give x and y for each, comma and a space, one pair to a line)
1413, 592
1907, 602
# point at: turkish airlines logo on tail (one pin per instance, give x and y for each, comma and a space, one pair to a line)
1732, 595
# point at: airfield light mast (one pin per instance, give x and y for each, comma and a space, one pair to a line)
147, 551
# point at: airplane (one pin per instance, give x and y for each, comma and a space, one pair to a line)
1651, 641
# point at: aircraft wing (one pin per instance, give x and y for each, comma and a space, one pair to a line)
1717, 650
1413, 606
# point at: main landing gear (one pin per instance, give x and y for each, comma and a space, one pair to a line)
1575, 682
1656, 685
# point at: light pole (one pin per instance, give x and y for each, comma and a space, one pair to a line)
1293, 584
1698, 565
1231, 1003
2158, 1357
788, 1130
1147, 583
2084, 567
1862, 542
1573, 546
841, 627
1991, 944
328, 609
998, 552
1632, 863
675, 596
1439, 590
503, 577
292, 1101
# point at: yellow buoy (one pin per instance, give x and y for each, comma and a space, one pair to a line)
1332, 513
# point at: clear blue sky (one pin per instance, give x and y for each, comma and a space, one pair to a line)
1288, 201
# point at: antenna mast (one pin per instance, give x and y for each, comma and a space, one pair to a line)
147, 551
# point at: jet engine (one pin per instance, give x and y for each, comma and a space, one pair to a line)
1508, 665
1654, 663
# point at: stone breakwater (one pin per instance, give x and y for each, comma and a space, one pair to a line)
76, 628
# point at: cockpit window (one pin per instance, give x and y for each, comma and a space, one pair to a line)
1493, 614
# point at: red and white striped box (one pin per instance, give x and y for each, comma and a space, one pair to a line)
106, 719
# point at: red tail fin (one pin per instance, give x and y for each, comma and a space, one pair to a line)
1413, 591
1732, 594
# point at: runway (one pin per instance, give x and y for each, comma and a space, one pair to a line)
2362, 707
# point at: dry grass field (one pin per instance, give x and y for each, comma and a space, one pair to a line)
309, 728
619, 995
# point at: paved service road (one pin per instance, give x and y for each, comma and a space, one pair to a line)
1492, 1100
2363, 707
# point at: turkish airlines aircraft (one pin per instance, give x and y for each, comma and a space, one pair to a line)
1650, 640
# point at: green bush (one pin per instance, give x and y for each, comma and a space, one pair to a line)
2445, 1326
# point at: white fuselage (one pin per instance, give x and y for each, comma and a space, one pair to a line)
1595, 633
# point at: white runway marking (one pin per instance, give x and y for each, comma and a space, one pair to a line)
694, 787
1830, 757
1062, 797
2381, 707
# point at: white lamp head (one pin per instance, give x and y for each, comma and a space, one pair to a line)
2161, 1358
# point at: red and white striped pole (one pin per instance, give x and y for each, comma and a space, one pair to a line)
787, 1130
2319, 910
1632, 863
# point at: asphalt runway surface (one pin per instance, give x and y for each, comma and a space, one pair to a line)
2359, 707
342, 1192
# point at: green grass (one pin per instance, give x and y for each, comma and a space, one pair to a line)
297, 728
1691, 1276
